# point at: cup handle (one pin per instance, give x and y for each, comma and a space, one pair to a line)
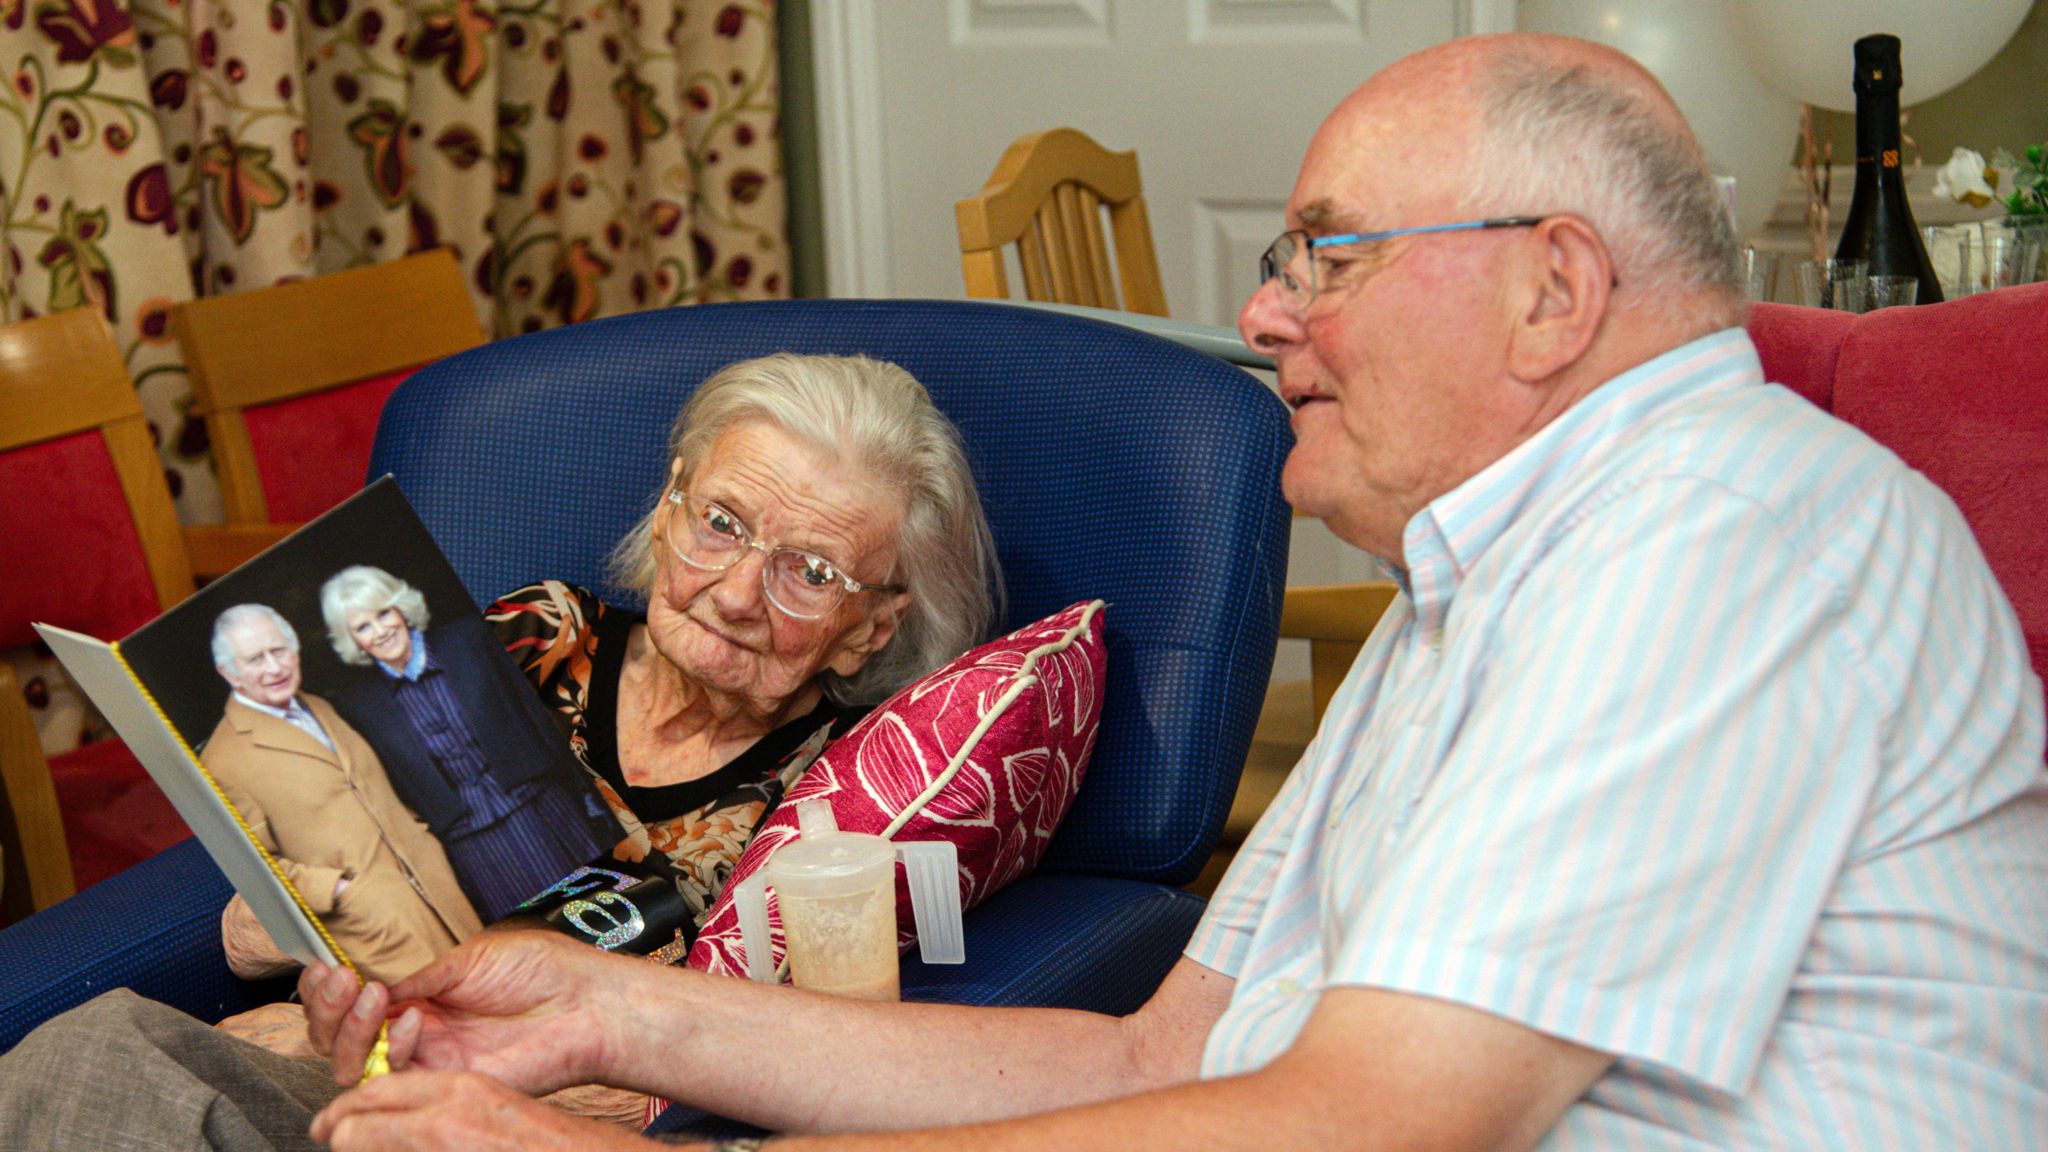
750, 900
932, 868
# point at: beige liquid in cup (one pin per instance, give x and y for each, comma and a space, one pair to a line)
844, 944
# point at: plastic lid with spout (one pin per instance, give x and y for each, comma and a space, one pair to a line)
823, 861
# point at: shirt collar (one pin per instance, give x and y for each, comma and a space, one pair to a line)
1448, 536
416, 665
290, 711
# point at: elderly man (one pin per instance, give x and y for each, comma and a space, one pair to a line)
314, 794
1690, 797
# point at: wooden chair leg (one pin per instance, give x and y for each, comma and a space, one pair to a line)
37, 862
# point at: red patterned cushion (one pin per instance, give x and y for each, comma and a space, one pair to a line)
73, 556
1018, 717
312, 451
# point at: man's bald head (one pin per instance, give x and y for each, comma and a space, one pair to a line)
1526, 124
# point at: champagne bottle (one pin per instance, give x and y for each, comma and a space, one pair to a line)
1879, 228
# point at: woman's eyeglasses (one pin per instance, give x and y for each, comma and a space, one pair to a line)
711, 538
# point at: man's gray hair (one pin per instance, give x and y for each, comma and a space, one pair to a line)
1564, 139
362, 588
240, 614
879, 418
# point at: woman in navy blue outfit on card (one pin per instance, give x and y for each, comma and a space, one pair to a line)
466, 744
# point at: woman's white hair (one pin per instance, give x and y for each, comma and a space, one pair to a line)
878, 418
362, 588
1564, 139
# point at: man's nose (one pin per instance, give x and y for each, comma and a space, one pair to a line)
1267, 321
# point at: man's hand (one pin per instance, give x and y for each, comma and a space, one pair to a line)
455, 1110
532, 1009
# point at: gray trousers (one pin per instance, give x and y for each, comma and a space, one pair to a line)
121, 1073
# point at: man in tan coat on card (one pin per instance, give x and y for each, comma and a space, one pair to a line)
316, 797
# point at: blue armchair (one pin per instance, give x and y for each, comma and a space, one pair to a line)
1112, 464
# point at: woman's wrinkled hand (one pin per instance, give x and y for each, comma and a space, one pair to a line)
279, 1028
442, 1110
620, 1106
252, 955
523, 1007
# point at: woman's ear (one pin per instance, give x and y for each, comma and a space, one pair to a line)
870, 636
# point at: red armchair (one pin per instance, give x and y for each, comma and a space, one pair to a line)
1960, 392
93, 545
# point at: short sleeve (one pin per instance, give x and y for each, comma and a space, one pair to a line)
1651, 787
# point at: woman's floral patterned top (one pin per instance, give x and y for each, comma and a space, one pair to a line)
572, 646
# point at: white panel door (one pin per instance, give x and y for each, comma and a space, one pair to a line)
918, 99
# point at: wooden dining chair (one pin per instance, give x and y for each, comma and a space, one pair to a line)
290, 380
93, 546
1048, 196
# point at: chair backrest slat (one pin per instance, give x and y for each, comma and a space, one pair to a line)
1097, 248
1054, 185
1059, 265
1031, 258
1074, 232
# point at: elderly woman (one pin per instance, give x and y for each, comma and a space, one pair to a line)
465, 743
817, 544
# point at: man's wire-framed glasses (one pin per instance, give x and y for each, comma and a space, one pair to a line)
712, 538
1292, 258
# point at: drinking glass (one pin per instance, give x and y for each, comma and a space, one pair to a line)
1759, 273
2009, 259
1890, 291
2034, 249
1835, 284
1948, 249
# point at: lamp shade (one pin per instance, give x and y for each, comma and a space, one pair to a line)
1805, 49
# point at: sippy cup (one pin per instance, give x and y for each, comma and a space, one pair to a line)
837, 894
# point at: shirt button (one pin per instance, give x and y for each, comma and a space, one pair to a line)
1434, 637
1287, 987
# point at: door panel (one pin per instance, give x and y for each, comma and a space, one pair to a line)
918, 98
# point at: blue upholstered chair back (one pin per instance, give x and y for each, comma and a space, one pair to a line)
1112, 464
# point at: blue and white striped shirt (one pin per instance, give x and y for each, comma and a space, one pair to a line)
1704, 737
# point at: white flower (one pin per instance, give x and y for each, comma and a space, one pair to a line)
1964, 179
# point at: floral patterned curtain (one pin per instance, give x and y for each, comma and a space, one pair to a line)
582, 158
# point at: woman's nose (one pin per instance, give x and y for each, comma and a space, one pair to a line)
739, 593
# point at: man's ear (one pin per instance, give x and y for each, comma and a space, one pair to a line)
1573, 277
